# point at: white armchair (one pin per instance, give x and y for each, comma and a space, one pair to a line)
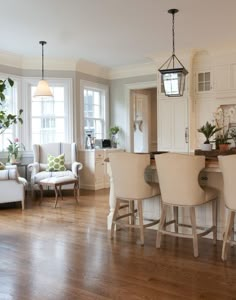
12, 186
39, 166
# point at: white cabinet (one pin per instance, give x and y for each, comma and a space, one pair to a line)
94, 175
173, 124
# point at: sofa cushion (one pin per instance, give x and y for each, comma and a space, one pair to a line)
56, 163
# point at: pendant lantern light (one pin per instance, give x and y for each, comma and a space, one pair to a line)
43, 89
172, 71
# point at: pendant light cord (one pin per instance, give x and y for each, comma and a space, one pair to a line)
173, 32
42, 43
42, 62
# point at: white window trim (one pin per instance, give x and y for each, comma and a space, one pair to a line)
26, 94
84, 84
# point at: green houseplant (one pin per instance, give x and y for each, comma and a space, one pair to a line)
7, 119
208, 130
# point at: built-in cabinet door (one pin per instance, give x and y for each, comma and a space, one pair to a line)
173, 124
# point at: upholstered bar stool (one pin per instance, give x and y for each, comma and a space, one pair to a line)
228, 168
178, 179
129, 185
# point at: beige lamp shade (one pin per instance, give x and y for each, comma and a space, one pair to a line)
43, 89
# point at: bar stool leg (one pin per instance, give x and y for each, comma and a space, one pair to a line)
161, 225
214, 220
228, 227
194, 231
114, 217
140, 213
176, 217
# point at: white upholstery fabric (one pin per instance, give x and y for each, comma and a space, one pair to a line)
228, 168
41, 152
12, 186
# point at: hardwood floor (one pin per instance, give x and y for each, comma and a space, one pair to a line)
66, 253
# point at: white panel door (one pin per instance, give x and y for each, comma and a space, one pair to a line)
180, 125
172, 124
141, 113
165, 127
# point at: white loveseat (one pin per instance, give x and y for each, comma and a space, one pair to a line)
12, 186
39, 166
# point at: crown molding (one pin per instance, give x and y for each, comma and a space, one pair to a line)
91, 68
34, 63
10, 59
133, 70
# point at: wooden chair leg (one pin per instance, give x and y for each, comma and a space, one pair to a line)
194, 231
214, 220
228, 227
176, 217
114, 217
140, 214
131, 210
161, 225
232, 235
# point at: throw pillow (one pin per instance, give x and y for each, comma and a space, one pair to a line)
56, 163
2, 166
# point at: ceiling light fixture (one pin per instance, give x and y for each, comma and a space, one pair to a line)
172, 71
43, 89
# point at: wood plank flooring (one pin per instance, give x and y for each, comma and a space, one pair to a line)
66, 254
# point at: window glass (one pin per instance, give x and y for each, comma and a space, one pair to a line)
48, 117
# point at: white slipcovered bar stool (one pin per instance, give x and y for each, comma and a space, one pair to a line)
178, 178
228, 168
129, 184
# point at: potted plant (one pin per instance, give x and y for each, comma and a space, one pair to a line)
222, 141
113, 134
208, 130
6, 120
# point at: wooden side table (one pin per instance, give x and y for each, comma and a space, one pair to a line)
57, 183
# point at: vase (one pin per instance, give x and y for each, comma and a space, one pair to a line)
114, 141
12, 158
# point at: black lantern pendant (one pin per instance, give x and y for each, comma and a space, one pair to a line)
172, 71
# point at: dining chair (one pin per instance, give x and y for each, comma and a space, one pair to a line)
130, 186
178, 178
228, 167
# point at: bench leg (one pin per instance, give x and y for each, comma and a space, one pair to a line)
41, 193
56, 195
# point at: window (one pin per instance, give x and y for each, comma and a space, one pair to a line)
52, 118
94, 112
11, 107
204, 81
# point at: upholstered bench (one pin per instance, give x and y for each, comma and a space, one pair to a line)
56, 183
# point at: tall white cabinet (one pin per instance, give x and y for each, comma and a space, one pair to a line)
94, 175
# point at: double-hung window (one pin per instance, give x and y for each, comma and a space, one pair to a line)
52, 117
94, 112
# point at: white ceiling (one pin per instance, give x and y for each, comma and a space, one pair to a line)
114, 32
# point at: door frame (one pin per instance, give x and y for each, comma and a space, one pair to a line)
128, 104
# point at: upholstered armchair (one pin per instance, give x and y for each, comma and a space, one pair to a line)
12, 186
38, 168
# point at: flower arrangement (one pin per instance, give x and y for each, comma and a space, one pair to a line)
13, 149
